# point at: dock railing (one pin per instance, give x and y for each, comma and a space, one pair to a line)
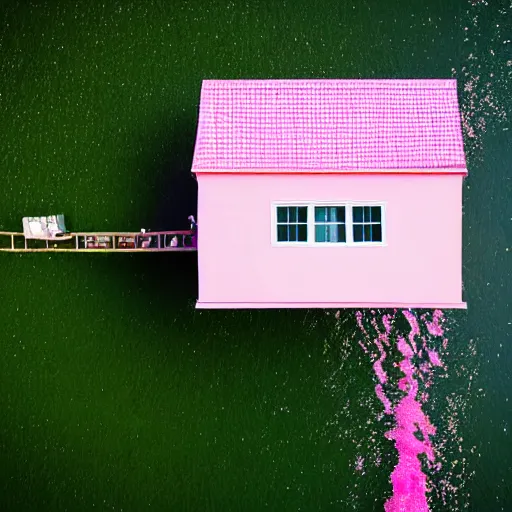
105, 241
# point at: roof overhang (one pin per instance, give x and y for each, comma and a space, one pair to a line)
450, 170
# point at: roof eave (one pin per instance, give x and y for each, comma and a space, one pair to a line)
443, 170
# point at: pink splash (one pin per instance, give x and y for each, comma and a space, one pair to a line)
434, 358
413, 429
433, 327
409, 481
381, 374
377, 366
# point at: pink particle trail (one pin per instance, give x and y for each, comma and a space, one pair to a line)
413, 429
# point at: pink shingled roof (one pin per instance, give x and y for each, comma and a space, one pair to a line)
328, 126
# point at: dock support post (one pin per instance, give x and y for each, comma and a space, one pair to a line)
12, 242
76, 242
25, 243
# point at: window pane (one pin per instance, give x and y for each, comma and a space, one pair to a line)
320, 233
342, 237
320, 214
357, 212
282, 214
333, 233
376, 213
303, 213
282, 233
358, 233
335, 214
368, 233
292, 233
329, 214
377, 233
366, 214
292, 211
303, 233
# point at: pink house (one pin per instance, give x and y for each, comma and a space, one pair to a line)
329, 194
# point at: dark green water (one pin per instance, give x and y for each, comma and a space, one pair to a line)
115, 394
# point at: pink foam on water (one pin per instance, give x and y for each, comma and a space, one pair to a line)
384, 399
433, 327
405, 349
359, 319
377, 366
415, 330
408, 480
434, 358
386, 320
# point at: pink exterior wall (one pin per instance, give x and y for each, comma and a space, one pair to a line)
420, 266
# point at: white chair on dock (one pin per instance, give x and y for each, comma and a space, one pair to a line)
144, 241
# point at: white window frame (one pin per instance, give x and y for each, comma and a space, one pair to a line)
311, 223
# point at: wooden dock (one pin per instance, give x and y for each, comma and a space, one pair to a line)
157, 241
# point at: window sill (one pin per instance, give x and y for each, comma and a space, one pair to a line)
328, 244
